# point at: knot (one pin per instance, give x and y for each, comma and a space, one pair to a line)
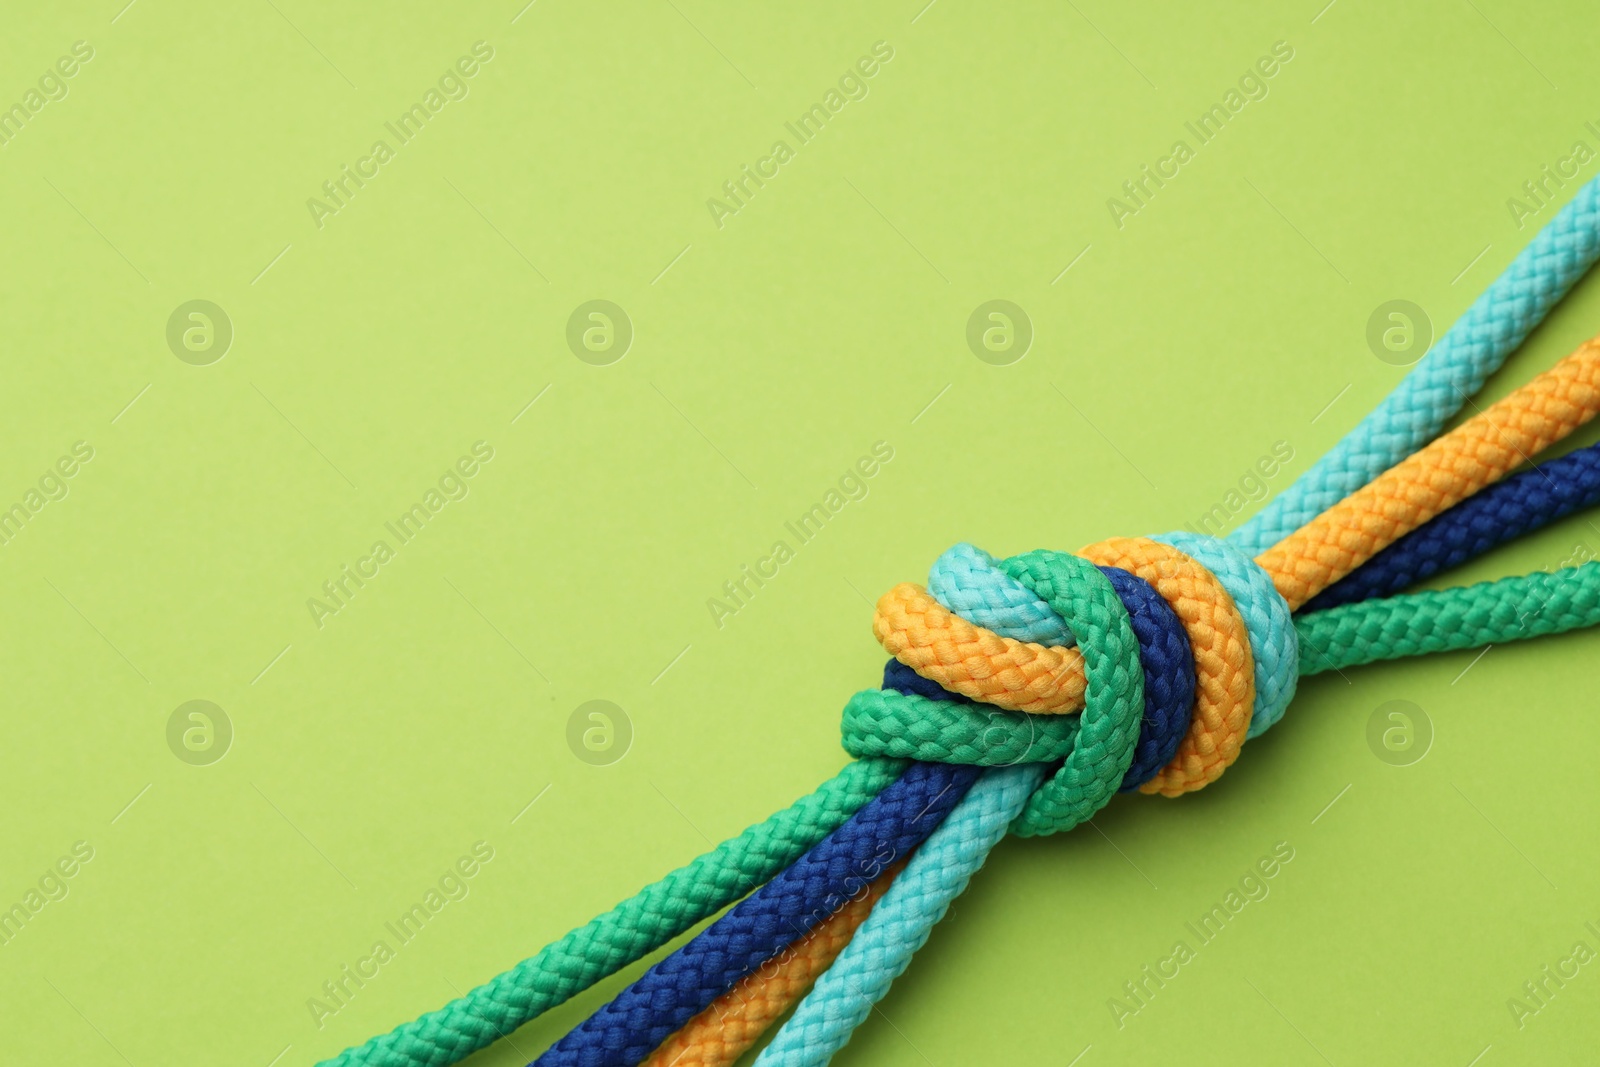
1274, 644
1096, 749
1224, 674
1169, 681
994, 657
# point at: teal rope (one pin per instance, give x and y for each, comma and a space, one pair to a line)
1266, 616
900, 923
970, 582
1455, 369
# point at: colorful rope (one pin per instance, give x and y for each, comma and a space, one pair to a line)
1521, 504
1492, 613
1535, 419
987, 666
1169, 678
1266, 619
902, 921
1041, 671
673, 991
1480, 451
1108, 730
628, 932
738, 1018
1225, 685
1455, 369
880, 724
723, 1032
1511, 609
1508, 610
875, 723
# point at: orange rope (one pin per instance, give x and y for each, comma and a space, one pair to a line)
1477, 453
976, 662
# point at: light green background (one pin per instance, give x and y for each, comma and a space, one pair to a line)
769, 354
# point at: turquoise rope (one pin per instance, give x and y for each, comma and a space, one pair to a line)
900, 923
1273, 645
1455, 369
968, 581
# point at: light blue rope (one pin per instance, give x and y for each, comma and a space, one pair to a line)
900, 923
969, 581
1452, 371
1273, 644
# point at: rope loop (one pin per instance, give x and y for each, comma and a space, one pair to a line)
1274, 646
993, 659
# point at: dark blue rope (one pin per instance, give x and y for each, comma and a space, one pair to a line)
1500, 513
903, 679
886, 829
1169, 680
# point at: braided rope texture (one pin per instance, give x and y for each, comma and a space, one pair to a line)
1455, 619
971, 584
623, 1032
908, 726
1478, 452
912, 724
968, 581
974, 661
1498, 612
1169, 679
626, 933
1521, 504
985, 666
1473, 456
1449, 620
1503, 612
946, 862
1220, 641
1455, 369
722, 1033
1108, 730
902, 921
1273, 646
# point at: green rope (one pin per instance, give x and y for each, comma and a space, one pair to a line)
1448, 620
628, 932
882, 722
